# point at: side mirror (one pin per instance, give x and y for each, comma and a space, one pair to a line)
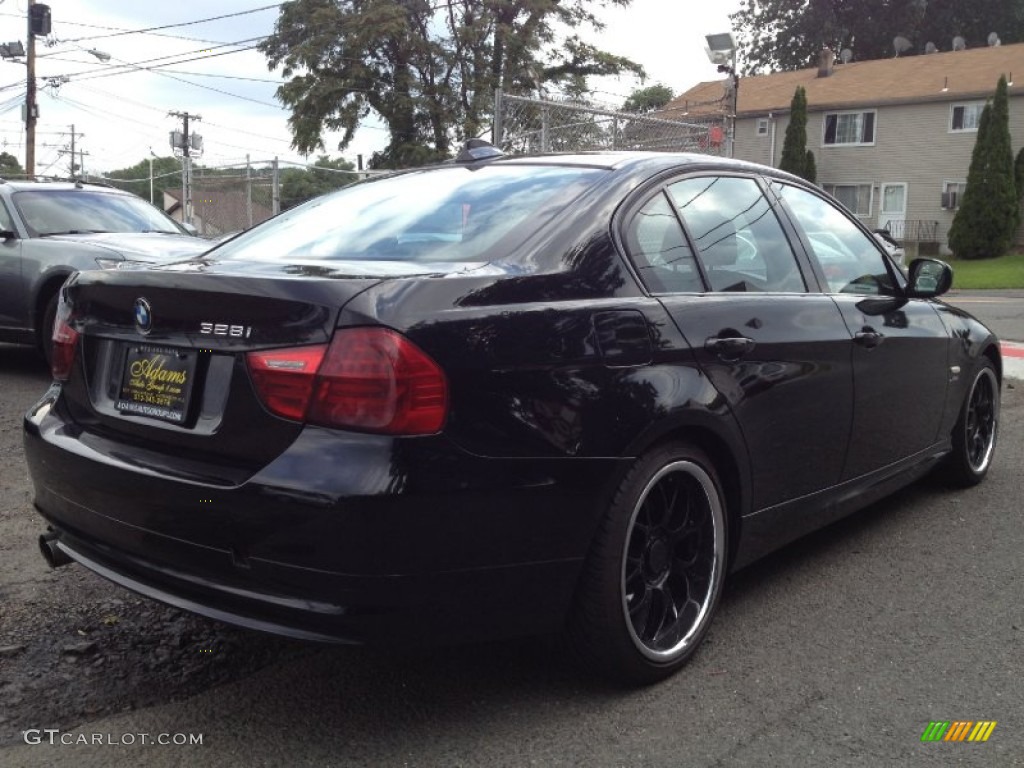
8, 234
928, 278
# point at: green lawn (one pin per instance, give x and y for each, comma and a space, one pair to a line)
1004, 272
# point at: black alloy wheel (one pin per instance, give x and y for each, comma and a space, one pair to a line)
974, 436
654, 575
674, 550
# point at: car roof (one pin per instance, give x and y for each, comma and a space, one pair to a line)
23, 185
644, 161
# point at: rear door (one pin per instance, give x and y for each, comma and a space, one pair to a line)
900, 347
776, 352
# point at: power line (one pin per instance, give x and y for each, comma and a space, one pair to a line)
117, 29
118, 69
146, 30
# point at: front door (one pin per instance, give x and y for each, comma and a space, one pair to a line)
900, 346
893, 209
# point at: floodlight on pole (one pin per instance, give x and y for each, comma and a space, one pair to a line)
721, 51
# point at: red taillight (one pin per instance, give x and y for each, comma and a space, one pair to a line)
370, 379
65, 341
284, 378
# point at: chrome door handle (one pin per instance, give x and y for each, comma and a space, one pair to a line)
729, 347
868, 338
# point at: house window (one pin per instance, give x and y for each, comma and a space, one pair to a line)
849, 128
965, 117
952, 194
762, 126
856, 197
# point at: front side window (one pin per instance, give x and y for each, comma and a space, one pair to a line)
5, 219
848, 258
738, 237
849, 128
856, 197
965, 117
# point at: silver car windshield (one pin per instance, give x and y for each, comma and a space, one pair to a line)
76, 211
437, 215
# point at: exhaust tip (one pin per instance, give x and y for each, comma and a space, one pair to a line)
54, 556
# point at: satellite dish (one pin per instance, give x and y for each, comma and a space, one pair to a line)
931, 48
846, 55
959, 43
900, 44
993, 40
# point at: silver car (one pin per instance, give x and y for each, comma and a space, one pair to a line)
49, 230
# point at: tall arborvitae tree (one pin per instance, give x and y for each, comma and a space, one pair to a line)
811, 168
796, 157
986, 222
1018, 174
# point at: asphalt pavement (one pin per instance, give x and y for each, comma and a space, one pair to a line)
838, 650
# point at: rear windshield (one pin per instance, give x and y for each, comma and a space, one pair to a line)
437, 215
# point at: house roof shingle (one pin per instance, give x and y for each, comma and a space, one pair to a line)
971, 73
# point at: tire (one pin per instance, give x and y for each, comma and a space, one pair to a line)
46, 329
654, 575
974, 436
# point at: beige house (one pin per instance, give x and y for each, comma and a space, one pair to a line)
892, 138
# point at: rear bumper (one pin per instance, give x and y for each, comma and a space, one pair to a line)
348, 538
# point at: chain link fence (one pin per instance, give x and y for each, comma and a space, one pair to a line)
530, 126
229, 202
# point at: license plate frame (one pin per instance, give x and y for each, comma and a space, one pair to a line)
157, 382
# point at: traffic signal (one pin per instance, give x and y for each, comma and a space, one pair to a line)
39, 20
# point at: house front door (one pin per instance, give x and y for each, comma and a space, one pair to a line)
893, 211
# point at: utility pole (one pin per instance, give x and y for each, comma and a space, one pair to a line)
186, 163
30, 99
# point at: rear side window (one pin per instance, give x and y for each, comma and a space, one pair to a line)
439, 215
849, 259
740, 242
661, 254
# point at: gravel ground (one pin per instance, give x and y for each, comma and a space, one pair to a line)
73, 646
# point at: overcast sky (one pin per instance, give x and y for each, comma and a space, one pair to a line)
121, 112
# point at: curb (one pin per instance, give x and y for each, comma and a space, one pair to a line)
1013, 359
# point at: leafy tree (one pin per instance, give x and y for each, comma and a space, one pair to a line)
986, 222
301, 184
427, 70
796, 157
648, 99
788, 34
10, 167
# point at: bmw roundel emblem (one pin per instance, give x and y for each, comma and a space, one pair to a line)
143, 316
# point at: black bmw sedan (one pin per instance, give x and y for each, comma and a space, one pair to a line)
524, 395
